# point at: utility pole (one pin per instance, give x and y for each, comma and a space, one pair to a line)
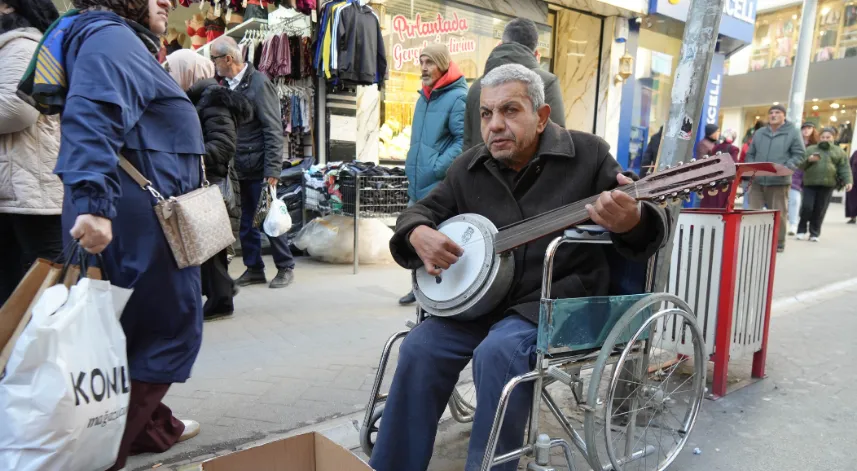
688, 95
797, 94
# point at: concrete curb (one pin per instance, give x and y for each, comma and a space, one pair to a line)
788, 304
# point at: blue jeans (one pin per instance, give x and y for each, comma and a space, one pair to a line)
794, 206
251, 238
430, 360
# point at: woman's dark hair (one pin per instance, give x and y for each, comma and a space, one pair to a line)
39, 14
135, 10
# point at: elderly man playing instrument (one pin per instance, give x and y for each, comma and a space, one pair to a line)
526, 167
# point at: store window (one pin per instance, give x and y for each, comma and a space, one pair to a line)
776, 37
409, 25
656, 62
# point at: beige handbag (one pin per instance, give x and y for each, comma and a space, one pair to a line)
195, 224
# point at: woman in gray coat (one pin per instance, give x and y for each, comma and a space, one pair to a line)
30, 194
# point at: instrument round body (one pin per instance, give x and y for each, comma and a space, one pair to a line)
474, 285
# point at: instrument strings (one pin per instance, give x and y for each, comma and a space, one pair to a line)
537, 226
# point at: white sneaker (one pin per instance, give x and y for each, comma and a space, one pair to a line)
191, 429
813, 239
802, 236
792, 230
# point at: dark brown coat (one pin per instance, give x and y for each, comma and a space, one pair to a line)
569, 166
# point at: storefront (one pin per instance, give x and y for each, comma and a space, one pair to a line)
656, 42
470, 33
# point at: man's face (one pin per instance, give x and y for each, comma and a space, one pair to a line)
159, 14
222, 65
827, 137
510, 127
776, 117
430, 72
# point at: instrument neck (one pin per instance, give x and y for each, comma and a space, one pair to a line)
536, 227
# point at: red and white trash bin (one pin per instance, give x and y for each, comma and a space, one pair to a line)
723, 264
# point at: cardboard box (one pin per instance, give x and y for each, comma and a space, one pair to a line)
307, 452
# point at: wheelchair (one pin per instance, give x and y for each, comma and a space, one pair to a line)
634, 363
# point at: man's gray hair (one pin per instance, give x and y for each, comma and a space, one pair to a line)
226, 46
518, 73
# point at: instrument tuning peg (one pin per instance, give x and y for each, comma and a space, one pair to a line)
668, 167
674, 194
712, 184
700, 195
692, 160
680, 163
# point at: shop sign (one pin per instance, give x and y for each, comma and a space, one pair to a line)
406, 31
738, 21
713, 90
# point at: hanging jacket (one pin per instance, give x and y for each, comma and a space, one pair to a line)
510, 53
29, 141
361, 58
783, 146
221, 111
833, 166
437, 133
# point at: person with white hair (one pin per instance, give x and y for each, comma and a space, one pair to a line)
527, 166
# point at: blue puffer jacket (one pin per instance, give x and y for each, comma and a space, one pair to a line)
437, 135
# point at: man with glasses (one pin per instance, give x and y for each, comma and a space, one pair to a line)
779, 142
258, 160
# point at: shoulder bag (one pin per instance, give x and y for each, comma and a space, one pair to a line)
196, 224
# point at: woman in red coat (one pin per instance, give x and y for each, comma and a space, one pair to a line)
726, 147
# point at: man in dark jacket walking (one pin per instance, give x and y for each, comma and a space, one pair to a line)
779, 142
529, 166
438, 129
258, 160
520, 39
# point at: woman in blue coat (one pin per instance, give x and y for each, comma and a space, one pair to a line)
120, 100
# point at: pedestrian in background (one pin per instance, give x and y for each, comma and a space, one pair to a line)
30, 194
520, 40
221, 111
826, 168
810, 138
779, 142
727, 147
258, 161
851, 196
120, 101
706, 145
437, 134
650, 155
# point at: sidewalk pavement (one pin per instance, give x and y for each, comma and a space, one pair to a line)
305, 357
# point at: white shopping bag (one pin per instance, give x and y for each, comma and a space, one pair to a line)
64, 399
278, 221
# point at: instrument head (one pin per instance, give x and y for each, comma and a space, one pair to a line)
710, 174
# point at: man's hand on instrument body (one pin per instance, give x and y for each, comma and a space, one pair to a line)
436, 250
614, 210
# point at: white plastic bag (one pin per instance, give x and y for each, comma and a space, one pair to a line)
331, 240
64, 399
278, 221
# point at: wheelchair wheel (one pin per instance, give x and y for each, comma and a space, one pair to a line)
368, 434
643, 404
462, 404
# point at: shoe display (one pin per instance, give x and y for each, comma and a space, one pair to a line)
251, 277
284, 278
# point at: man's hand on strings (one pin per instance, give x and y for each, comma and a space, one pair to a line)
614, 210
436, 250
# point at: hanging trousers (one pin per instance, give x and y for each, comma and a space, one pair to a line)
431, 358
150, 426
816, 199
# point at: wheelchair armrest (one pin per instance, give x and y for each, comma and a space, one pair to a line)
587, 234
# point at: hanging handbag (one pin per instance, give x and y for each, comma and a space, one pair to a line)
196, 224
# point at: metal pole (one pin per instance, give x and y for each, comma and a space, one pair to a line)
797, 94
688, 95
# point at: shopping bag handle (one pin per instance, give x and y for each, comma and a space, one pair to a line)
76, 249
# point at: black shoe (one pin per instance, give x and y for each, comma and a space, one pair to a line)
408, 299
284, 278
852, 221
251, 277
210, 316
781, 249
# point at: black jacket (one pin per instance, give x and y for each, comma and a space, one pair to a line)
651, 152
260, 140
568, 167
361, 58
221, 111
510, 53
